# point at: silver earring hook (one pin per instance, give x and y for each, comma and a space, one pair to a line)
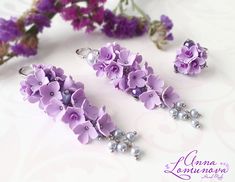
83, 52
25, 70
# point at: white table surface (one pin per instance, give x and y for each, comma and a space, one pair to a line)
33, 148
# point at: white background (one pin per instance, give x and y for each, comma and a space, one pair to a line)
33, 148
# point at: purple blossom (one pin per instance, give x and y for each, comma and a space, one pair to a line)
169, 97
106, 54
114, 71
39, 20
150, 99
78, 98
46, 6
73, 116
188, 54
24, 50
196, 66
37, 79
155, 83
136, 79
166, 21
71, 85
91, 112
191, 59
105, 125
9, 30
99, 67
25, 90
85, 132
49, 92
126, 57
121, 26
147, 69
54, 107
70, 13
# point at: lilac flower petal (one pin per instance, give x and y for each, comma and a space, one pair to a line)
150, 99
90, 111
169, 97
78, 98
155, 83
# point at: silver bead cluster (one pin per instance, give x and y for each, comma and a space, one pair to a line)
179, 111
123, 142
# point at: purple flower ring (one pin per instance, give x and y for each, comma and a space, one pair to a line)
191, 59
128, 74
64, 99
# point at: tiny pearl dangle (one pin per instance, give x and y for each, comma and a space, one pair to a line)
124, 69
179, 111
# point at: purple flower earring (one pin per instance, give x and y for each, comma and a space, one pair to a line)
190, 59
124, 69
64, 99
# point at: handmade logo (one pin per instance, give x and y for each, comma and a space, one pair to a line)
187, 166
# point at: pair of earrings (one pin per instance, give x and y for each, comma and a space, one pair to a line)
64, 99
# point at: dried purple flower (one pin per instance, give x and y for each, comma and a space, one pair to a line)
9, 30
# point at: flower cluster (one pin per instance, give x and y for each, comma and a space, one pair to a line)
120, 26
124, 69
191, 59
82, 17
63, 98
19, 36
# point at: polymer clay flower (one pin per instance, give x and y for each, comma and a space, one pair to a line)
85, 132
155, 83
71, 85
26, 90
195, 66
99, 67
49, 92
54, 107
105, 125
147, 69
78, 98
114, 71
188, 54
169, 97
91, 112
106, 54
73, 116
150, 99
136, 79
37, 80
191, 59
126, 57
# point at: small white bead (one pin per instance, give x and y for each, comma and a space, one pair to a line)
122, 147
194, 113
135, 151
91, 58
131, 136
195, 124
112, 145
173, 112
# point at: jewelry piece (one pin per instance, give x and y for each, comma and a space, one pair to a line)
64, 99
191, 59
124, 69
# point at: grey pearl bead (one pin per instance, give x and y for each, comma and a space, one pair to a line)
180, 105
194, 113
173, 112
135, 151
131, 136
118, 134
183, 115
112, 145
122, 147
91, 58
195, 124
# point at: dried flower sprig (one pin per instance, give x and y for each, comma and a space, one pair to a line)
119, 24
19, 36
